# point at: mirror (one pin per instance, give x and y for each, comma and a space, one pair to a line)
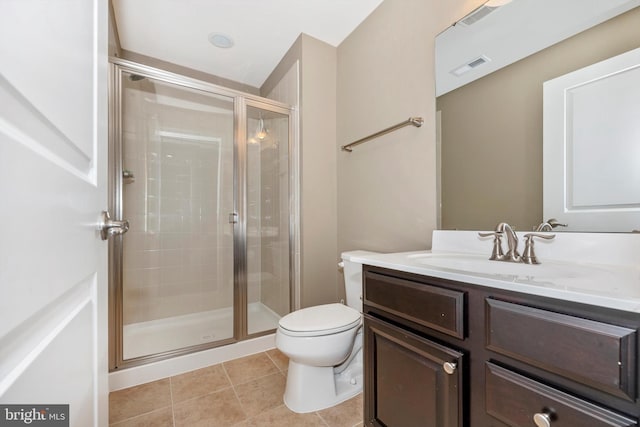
490, 70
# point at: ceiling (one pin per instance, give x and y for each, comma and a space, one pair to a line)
262, 30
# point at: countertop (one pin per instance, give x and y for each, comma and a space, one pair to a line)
601, 269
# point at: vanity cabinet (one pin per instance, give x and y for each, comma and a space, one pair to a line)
409, 385
441, 353
412, 380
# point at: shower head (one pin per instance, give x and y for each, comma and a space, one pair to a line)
135, 77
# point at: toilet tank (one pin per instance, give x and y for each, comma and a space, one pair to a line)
353, 278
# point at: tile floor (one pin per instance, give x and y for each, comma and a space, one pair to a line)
244, 392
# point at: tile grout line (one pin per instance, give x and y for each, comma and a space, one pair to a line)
173, 412
273, 361
278, 370
258, 378
235, 393
322, 419
204, 395
138, 416
283, 371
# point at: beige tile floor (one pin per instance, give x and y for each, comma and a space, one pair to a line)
244, 392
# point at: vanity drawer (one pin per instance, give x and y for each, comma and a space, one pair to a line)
516, 400
593, 353
434, 307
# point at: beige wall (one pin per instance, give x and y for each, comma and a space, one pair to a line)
318, 184
318, 176
387, 187
492, 130
114, 48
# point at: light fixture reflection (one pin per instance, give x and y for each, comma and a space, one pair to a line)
497, 3
261, 130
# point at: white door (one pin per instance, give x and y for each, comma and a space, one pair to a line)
591, 177
53, 158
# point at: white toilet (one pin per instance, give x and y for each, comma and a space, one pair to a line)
324, 346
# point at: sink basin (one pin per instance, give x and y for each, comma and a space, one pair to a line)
482, 265
576, 277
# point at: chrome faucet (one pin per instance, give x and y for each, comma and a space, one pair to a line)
503, 229
512, 255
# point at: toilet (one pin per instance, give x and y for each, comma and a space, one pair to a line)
324, 346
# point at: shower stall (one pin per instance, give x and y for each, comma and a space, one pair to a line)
204, 175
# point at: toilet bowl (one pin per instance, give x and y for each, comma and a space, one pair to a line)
324, 347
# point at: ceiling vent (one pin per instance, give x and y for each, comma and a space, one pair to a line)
474, 63
477, 15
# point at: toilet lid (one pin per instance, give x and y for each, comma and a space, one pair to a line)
327, 318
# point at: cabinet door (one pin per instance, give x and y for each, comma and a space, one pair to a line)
406, 381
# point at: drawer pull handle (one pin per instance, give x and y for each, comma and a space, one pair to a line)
449, 367
542, 420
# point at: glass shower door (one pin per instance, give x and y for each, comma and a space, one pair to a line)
177, 193
268, 217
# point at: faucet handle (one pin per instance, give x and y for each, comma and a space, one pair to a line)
528, 256
496, 254
549, 225
490, 233
542, 236
554, 223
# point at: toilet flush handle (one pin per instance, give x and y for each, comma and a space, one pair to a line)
341, 264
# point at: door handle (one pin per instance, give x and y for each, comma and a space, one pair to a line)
110, 227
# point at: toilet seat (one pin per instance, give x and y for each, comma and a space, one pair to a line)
319, 320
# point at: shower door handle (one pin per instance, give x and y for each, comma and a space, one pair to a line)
233, 218
110, 227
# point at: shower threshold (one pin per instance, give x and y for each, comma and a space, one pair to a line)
172, 333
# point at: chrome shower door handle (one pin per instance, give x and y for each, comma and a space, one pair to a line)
110, 227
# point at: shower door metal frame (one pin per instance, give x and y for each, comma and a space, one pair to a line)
241, 208
241, 101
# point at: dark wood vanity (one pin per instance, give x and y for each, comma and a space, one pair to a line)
441, 353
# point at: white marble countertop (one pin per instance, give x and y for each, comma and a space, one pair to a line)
601, 269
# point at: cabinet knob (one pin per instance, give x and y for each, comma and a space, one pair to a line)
542, 420
449, 367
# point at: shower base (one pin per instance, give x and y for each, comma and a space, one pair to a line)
172, 333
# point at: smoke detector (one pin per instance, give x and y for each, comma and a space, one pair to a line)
220, 40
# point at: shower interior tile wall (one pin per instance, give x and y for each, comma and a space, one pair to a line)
178, 256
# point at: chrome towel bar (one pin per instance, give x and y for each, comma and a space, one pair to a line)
416, 121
